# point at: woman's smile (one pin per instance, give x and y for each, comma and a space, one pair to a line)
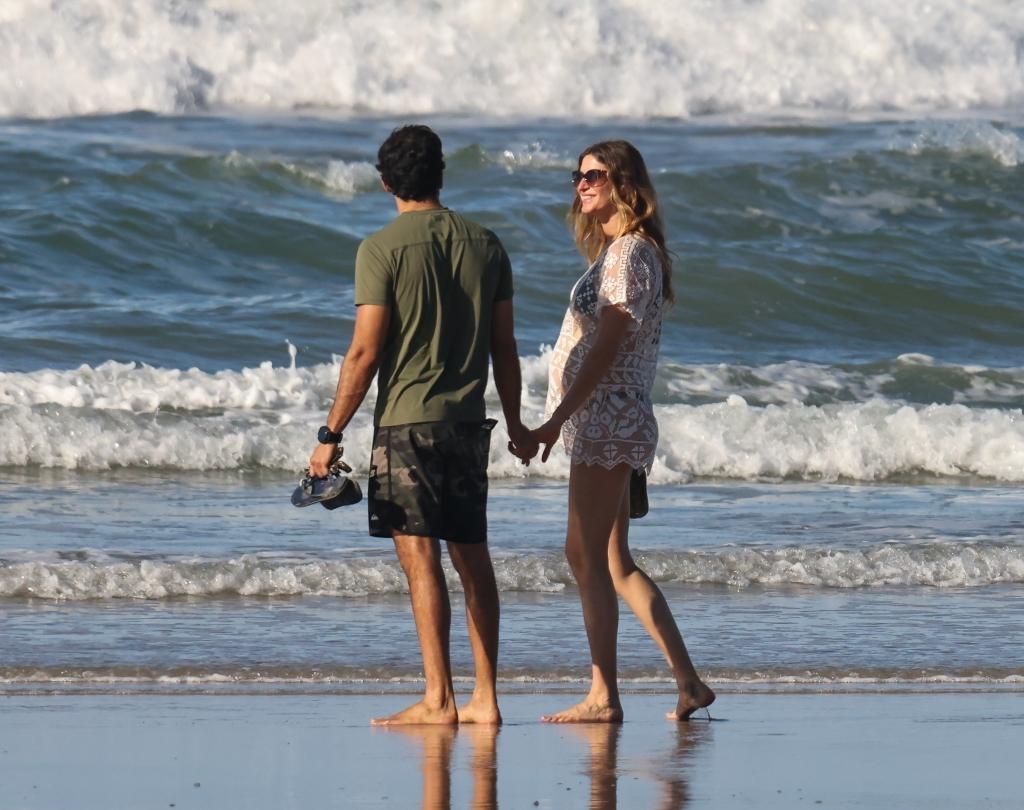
595, 196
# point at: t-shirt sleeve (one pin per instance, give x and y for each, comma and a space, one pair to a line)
627, 278
504, 289
373, 276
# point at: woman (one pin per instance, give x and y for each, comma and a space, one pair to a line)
599, 401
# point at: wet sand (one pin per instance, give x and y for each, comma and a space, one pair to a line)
847, 750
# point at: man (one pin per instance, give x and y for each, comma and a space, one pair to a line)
434, 301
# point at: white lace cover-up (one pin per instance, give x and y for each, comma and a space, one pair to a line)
616, 424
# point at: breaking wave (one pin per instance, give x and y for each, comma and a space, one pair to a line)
93, 575
790, 420
79, 57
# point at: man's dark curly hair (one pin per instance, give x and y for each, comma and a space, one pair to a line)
411, 164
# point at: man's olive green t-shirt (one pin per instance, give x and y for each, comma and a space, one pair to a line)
440, 275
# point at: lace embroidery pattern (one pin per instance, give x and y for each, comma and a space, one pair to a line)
617, 423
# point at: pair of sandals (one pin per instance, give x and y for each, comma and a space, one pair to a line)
334, 490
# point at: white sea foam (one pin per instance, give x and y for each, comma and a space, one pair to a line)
533, 156
345, 178
349, 177
967, 138
789, 420
813, 383
864, 442
585, 57
936, 564
140, 389
272, 679
860, 212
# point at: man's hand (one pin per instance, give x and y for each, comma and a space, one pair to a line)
320, 461
521, 443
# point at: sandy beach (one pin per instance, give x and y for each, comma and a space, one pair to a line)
837, 498
865, 750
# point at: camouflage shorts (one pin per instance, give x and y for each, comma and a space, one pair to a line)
430, 479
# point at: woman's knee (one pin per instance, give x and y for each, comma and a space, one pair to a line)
582, 559
574, 554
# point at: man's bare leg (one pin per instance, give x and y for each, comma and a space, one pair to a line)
594, 497
421, 560
647, 601
473, 563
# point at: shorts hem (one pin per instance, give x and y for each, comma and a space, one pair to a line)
389, 535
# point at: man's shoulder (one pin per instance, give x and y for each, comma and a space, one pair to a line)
384, 239
474, 229
422, 228
459, 227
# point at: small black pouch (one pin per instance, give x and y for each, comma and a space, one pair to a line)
638, 493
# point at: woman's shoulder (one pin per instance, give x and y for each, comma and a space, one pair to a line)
634, 246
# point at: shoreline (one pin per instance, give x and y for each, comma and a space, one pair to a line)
862, 751
186, 687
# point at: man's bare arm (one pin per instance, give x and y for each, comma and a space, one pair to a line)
357, 371
508, 378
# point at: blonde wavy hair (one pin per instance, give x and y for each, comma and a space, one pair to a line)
637, 203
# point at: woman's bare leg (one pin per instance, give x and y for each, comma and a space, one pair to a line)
647, 601
594, 497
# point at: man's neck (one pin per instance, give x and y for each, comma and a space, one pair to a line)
417, 205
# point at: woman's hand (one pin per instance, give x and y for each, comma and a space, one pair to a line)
547, 434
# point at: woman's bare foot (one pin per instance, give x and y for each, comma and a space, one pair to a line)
587, 712
420, 714
699, 696
482, 712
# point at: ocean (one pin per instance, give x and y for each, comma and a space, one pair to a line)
836, 502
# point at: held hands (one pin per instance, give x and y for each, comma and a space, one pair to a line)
521, 443
524, 444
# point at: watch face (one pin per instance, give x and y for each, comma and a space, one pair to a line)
327, 436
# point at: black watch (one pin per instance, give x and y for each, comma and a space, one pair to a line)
327, 436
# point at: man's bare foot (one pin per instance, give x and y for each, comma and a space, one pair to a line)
587, 712
480, 712
420, 714
698, 697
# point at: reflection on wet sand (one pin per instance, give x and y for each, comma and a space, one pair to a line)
673, 768
602, 766
483, 764
436, 744
669, 769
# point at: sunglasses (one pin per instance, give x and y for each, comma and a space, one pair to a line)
595, 177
